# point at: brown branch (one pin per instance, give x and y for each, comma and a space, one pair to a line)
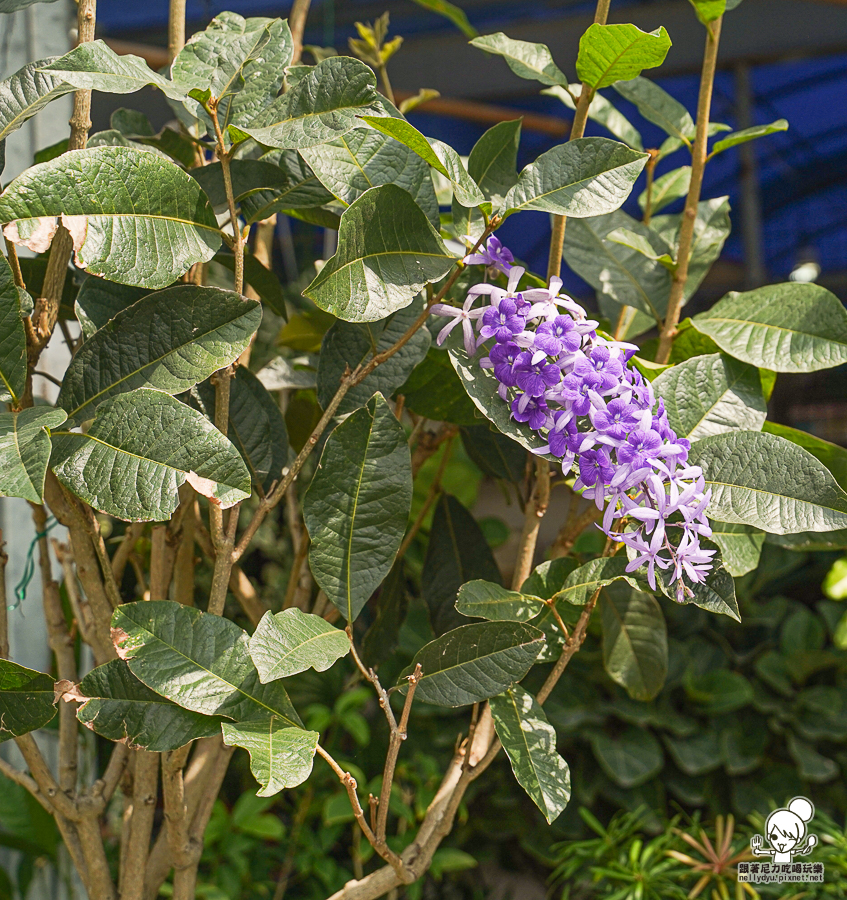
184, 563
161, 563
176, 28
176, 810
428, 443
534, 513
137, 836
99, 880
297, 24
126, 546
80, 609
4, 603
689, 215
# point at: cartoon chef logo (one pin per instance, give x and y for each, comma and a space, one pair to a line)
785, 832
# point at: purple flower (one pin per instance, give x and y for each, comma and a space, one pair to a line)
535, 374
465, 315
595, 465
639, 447
581, 391
501, 322
503, 357
494, 255
616, 419
532, 410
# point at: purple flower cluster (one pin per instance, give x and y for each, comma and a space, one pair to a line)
595, 411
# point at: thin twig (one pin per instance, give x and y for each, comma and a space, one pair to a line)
4, 607
144, 795
534, 513
176, 28
297, 24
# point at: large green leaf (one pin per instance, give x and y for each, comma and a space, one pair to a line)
280, 756
765, 481
711, 229
712, 394
583, 582
137, 452
610, 53
530, 743
95, 66
320, 107
582, 178
351, 344
382, 637
387, 252
457, 553
118, 707
833, 456
531, 61
496, 455
292, 641
169, 341
358, 504
364, 158
440, 156
658, 107
748, 134
670, 187
629, 758
433, 390
241, 61
484, 600
136, 218
199, 661
25, 451
716, 594
635, 641
26, 700
475, 662
741, 546
601, 110
790, 327
26, 92
256, 426
15, 304
99, 301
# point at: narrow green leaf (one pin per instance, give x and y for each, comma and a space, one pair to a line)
658, 107
601, 110
95, 66
582, 583
99, 301
358, 504
320, 107
137, 452
387, 252
169, 341
530, 743
292, 641
496, 455
630, 758
280, 756
25, 451
26, 92
748, 134
26, 700
475, 662
136, 218
197, 660
382, 637
582, 178
765, 481
484, 600
635, 641
671, 186
118, 707
785, 327
452, 12
741, 546
610, 53
531, 61
710, 395
642, 244
15, 304
833, 456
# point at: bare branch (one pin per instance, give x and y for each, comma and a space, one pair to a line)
534, 513
137, 835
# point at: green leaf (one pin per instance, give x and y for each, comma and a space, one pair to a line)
811, 765
741, 546
548, 578
138, 451
381, 638
118, 707
601, 110
15, 305
25, 451
169, 341
256, 426
26, 92
350, 344
387, 252
136, 218
833, 456
785, 327
610, 53
642, 244
280, 756
710, 395
364, 158
582, 178
475, 662
671, 186
635, 641
452, 12
263, 281
719, 692
433, 390
457, 553
320, 107
711, 229
26, 700
440, 156
765, 481
708, 10
358, 504
95, 66
292, 641
531, 61
624, 274
748, 134
530, 743
197, 660
484, 600
241, 61
496, 455
698, 754
716, 594
583, 582
630, 758
99, 301
657, 106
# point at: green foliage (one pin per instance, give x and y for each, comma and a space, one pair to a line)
293, 641
610, 53
531, 61
26, 700
25, 450
26, 92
